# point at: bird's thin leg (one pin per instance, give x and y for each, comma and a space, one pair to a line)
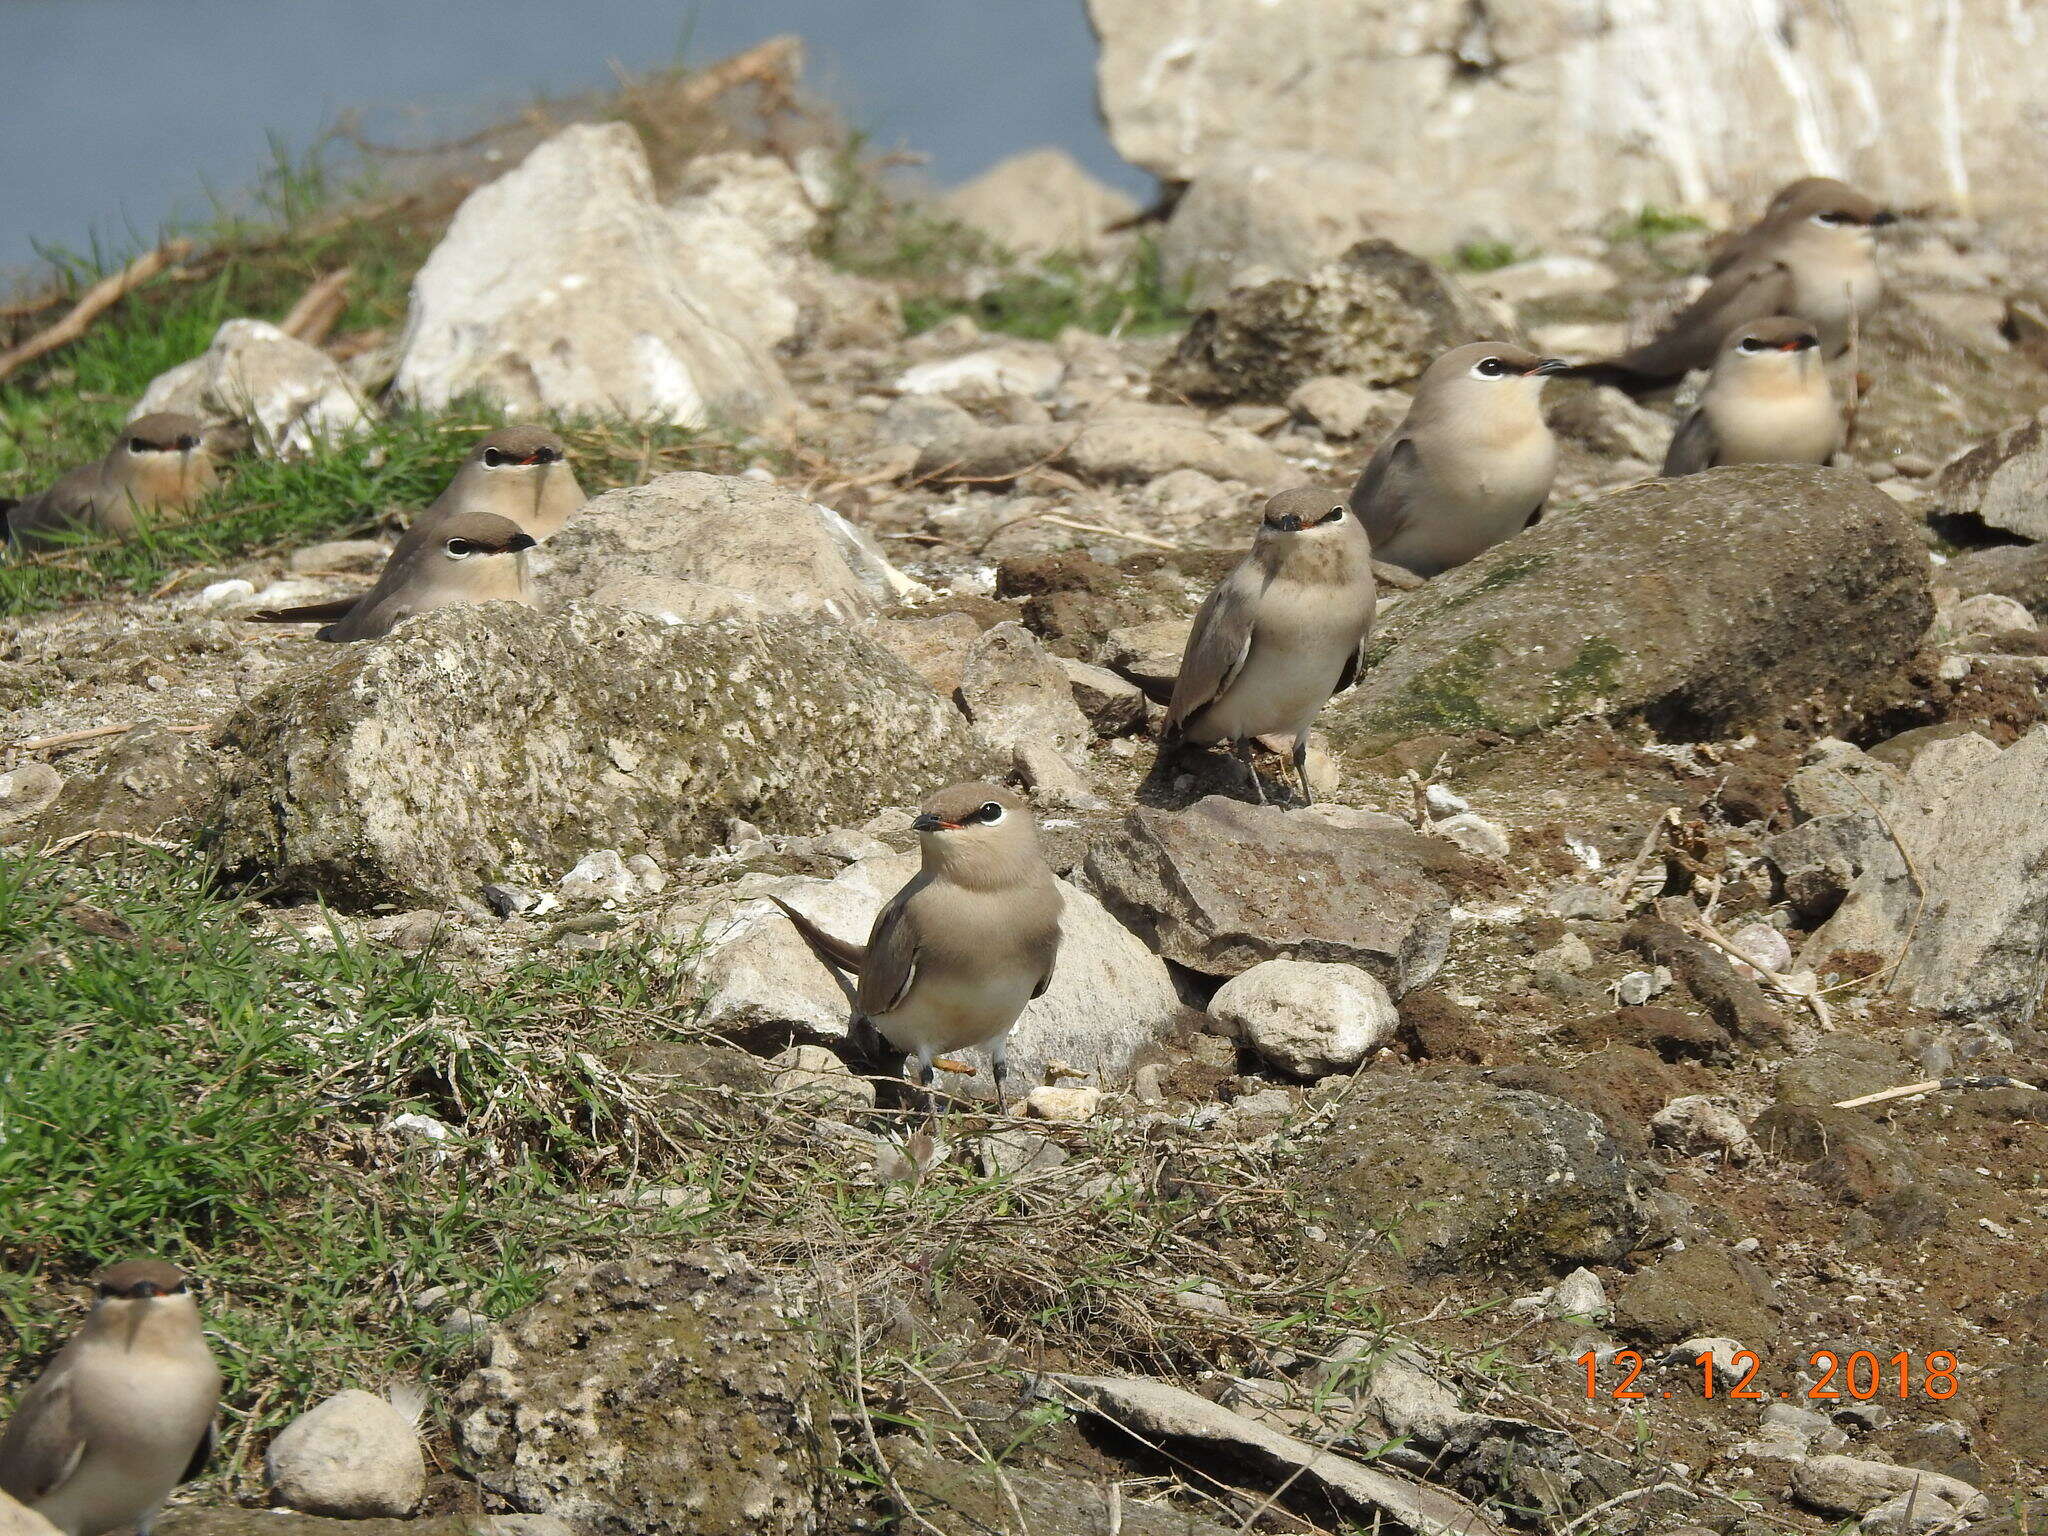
1301, 768
999, 1064
925, 1074
1243, 749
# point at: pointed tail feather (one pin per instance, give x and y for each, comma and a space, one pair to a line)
308, 613
1632, 382
837, 953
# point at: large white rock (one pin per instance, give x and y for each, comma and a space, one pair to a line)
1530, 117
692, 545
1017, 694
1039, 202
354, 1457
1110, 996
1307, 1017
289, 397
565, 286
18, 1520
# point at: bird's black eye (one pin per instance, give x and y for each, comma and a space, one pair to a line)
106, 1292
1490, 368
460, 549
1832, 216
1749, 344
140, 445
990, 811
1335, 514
187, 443
493, 457
545, 455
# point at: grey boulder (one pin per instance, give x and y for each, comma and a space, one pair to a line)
352, 1456
565, 286
1697, 605
1474, 1179
692, 545
1305, 1017
499, 744
654, 1395
2002, 482
1221, 886
1376, 315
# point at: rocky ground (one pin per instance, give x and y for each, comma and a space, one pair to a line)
1360, 1135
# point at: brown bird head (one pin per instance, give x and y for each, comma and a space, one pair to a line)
140, 1280
1306, 509
466, 535
1827, 202
163, 432
511, 448
1776, 340
978, 834
1485, 387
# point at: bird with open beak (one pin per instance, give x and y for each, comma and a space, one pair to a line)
1470, 465
123, 1414
158, 467
1767, 402
1282, 632
970, 940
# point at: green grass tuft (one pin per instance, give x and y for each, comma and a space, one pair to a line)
1650, 223
1486, 255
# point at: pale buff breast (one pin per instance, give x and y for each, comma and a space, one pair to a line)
1791, 426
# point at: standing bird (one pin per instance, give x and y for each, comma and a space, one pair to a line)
159, 465
516, 475
1285, 630
123, 1414
957, 953
1809, 256
1471, 463
1768, 402
442, 562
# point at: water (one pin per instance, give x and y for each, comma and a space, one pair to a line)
118, 115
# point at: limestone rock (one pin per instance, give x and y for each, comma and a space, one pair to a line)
1028, 368
1274, 214
2002, 482
1222, 885
27, 790
1377, 315
1845, 1485
1699, 1125
1113, 705
2018, 571
816, 1076
285, 397
1110, 997
969, 1499
654, 1395
1039, 202
153, 782
935, 648
1487, 121
1111, 449
1968, 921
494, 743
564, 286
1194, 1428
1476, 1179
1344, 408
688, 540
352, 1456
1016, 693
1689, 603
1307, 1018
1699, 1290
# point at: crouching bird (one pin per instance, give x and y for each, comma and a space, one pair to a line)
1285, 630
125, 1411
467, 557
956, 954
159, 465
1767, 402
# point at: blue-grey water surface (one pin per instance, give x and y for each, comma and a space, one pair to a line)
117, 115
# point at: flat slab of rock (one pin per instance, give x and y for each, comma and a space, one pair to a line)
564, 287
1476, 1179
1699, 605
1376, 315
1965, 925
690, 545
1222, 886
1158, 1411
1109, 449
654, 1395
2002, 482
1110, 997
974, 1499
495, 743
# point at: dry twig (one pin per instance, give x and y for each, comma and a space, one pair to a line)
94, 302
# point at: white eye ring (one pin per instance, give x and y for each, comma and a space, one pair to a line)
1490, 368
458, 549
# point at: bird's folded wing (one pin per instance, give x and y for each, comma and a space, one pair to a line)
1389, 490
1217, 646
1747, 290
43, 1445
1692, 447
309, 613
891, 963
